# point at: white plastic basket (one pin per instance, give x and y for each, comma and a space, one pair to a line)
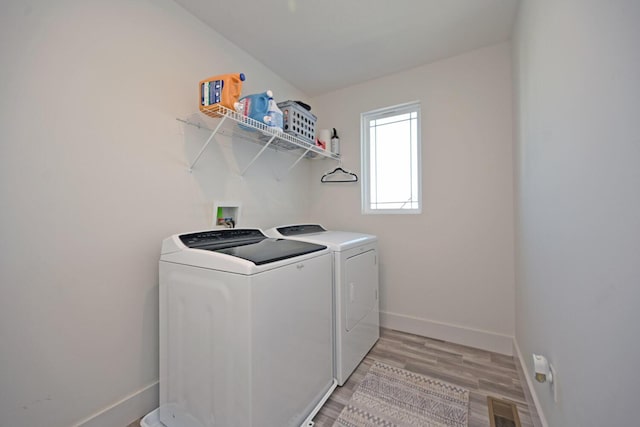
297, 121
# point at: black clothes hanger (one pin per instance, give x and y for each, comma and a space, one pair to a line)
350, 176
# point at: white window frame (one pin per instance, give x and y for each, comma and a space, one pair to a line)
365, 119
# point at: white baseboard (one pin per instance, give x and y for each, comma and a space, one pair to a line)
484, 340
532, 390
127, 410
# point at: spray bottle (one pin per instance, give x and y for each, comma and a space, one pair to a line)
335, 142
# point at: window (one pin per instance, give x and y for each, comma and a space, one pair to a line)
391, 160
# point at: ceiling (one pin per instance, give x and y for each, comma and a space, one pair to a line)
323, 45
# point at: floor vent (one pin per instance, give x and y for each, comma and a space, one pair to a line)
502, 413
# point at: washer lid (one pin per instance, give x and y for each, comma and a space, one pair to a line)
248, 244
269, 250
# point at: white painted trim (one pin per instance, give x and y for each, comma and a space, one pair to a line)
365, 148
532, 389
126, 410
477, 338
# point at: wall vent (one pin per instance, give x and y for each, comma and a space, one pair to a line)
502, 413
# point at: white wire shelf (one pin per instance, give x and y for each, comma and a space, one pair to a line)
232, 123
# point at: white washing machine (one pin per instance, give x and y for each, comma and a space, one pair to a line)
245, 330
355, 283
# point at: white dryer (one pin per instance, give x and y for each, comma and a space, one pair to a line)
355, 284
245, 330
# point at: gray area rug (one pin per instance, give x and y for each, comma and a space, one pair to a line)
394, 397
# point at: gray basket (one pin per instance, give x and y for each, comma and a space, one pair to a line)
297, 121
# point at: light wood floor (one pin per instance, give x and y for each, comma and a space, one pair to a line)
481, 372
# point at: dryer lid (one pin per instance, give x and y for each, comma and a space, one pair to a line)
337, 241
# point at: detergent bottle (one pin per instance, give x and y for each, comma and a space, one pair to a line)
258, 106
223, 90
273, 119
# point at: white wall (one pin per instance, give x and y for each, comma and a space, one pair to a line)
93, 176
448, 272
578, 181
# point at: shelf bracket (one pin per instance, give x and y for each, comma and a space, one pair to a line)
215, 130
294, 164
257, 155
